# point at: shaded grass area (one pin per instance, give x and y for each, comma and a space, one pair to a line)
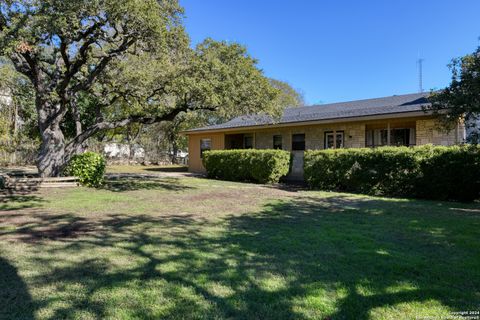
131, 182
189, 248
146, 169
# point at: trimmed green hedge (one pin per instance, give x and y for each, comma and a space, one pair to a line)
89, 167
441, 173
263, 166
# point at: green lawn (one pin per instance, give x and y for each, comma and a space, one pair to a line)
146, 169
191, 248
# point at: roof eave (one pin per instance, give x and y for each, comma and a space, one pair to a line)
314, 122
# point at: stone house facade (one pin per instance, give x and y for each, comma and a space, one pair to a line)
394, 121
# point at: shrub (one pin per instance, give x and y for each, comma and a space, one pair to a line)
451, 173
263, 166
442, 173
89, 167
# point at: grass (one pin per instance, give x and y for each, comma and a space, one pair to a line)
146, 169
192, 248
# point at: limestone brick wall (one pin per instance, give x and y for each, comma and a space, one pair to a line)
354, 136
427, 133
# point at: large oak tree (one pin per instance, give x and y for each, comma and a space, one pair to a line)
130, 60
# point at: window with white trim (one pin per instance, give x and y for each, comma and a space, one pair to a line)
334, 139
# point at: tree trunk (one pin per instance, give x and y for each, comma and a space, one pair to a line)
52, 158
175, 151
13, 158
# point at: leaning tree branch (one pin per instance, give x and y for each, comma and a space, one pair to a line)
22, 66
76, 65
64, 52
89, 31
92, 76
109, 125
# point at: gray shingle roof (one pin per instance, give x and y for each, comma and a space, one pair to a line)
360, 108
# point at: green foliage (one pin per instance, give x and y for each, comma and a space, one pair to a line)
217, 79
461, 98
86, 106
288, 96
450, 173
17, 105
263, 166
169, 132
442, 173
103, 65
89, 167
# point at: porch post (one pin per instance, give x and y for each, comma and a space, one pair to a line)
334, 139
388, 133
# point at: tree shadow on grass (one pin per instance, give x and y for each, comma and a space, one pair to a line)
18, 199
380, 253
131, 182
15, 300
168, 169
336, 257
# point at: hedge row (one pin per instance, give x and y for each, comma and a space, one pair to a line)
441, 173
263, 166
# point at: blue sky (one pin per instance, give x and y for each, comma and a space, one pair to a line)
344, 50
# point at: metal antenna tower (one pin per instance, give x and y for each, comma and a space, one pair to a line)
420, 74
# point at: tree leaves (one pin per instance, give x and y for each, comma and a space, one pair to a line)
132, 58
461, 99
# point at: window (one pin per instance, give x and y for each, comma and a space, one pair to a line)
334, 140
277, 142
248, 142
398, 137
298, 142
205, 145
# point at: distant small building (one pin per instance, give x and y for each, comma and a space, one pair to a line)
123, 151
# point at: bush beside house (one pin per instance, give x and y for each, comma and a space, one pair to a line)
441, 173
263, 166
89, 167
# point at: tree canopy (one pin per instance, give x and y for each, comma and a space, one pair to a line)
288, 96
105, 64
461, 99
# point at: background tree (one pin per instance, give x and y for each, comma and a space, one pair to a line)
17, 114
17, 105
288, 97
461, 99
131, 58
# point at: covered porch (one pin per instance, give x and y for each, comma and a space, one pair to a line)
239, 141
390, 134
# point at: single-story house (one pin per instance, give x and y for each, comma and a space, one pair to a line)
397, 120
